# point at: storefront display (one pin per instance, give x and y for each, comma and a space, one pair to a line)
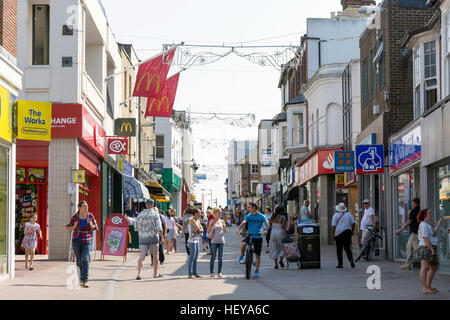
443, 209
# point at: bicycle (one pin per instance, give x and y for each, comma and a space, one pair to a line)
249, 250
368, 248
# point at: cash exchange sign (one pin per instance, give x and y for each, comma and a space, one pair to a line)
33, 120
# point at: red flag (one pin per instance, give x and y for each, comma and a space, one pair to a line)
163, 107
151, 77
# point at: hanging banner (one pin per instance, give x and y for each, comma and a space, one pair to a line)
151, 77
118, 145
33, 120
115, 236
164, 106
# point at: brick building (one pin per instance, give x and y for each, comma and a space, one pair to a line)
387, 92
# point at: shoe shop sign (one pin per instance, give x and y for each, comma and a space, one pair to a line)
32, 120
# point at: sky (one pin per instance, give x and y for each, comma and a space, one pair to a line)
231, 85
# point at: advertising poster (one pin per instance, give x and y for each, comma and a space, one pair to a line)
115, 236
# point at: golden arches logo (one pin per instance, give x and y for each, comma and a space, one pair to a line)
160, 104
127, 126
149, 81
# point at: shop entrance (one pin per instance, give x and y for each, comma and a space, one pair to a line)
31, 198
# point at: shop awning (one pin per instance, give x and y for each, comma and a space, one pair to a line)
134, 189
156, 189
160, 198
292, 194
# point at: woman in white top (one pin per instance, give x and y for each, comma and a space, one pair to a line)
343, 225
216, 232
172, 232
278, 233
428, 242
195, 234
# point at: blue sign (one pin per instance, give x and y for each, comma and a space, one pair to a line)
369, 159
127, 168
344, 161
201, 176
405, 150
157, 167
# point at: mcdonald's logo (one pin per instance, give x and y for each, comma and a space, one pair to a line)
160, 102
149, 81
125, 127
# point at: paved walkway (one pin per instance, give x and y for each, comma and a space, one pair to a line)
112, 279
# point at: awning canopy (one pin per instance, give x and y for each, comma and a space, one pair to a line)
293, 193
134, 189
160, 198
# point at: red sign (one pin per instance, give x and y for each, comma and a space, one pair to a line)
321, 162
115, 236
93, 133
67, 120
118, 145
163, 107
151, 77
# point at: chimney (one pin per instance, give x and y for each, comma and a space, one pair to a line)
359, 3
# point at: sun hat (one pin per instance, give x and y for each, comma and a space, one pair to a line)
366, 201
341, 207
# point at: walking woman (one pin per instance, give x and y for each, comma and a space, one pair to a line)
428, 242
82, 224
29, 241
173, 227
278, 233
195, 234
216, 232
342, 226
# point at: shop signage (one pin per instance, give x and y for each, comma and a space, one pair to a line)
33, 120
268, 158
93, 133
118, 145
344, 161
266, 188
67, 120
370, 159
6, 101
321, 162
340, 181
127, 168
115, 236
157, 167
125, 127
79, 176
405, 150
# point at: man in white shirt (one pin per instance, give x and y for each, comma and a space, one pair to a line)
343, 225
305, 214
368, 220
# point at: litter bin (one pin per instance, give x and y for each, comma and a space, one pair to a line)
309, 245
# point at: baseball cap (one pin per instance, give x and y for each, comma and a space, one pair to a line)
149, 201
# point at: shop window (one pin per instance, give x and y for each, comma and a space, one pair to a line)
41, 31
443, 209
3, 210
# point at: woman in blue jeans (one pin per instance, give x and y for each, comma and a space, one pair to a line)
82, 224
195, 234
216, 232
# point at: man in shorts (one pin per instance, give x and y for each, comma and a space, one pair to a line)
149, 227
255, 221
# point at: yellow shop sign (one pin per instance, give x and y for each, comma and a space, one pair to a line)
6, 101
34, 120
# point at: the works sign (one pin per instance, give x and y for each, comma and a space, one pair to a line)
125, 127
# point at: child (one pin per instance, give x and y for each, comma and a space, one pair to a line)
29, 241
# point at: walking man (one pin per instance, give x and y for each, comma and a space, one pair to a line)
305, 214
413, 241
149, 227
367, 221
343, 225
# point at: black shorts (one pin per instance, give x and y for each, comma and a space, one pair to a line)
257, 244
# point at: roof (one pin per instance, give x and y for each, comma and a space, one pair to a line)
429, 26
281, 117
297, 100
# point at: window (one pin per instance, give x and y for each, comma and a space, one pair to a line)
284, 137
160, 146
317, 126
372, 74
254, 169
347, 103
298, 131
417, 80
365, 79
379, 59
448, 33
312, 128
430, 80
41, 30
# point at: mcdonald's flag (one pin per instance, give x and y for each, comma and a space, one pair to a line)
151, 77
163, 107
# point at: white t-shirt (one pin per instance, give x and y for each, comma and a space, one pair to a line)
345, 222
427, 231
268, 216
365, 221
304, 211
170, 222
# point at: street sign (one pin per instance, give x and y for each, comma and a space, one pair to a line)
125, 127
370, 159
157, 167
344, 161
79, 176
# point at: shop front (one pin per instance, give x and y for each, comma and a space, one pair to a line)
404, 171
173, 183
7, 171
316, 180
435, 175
